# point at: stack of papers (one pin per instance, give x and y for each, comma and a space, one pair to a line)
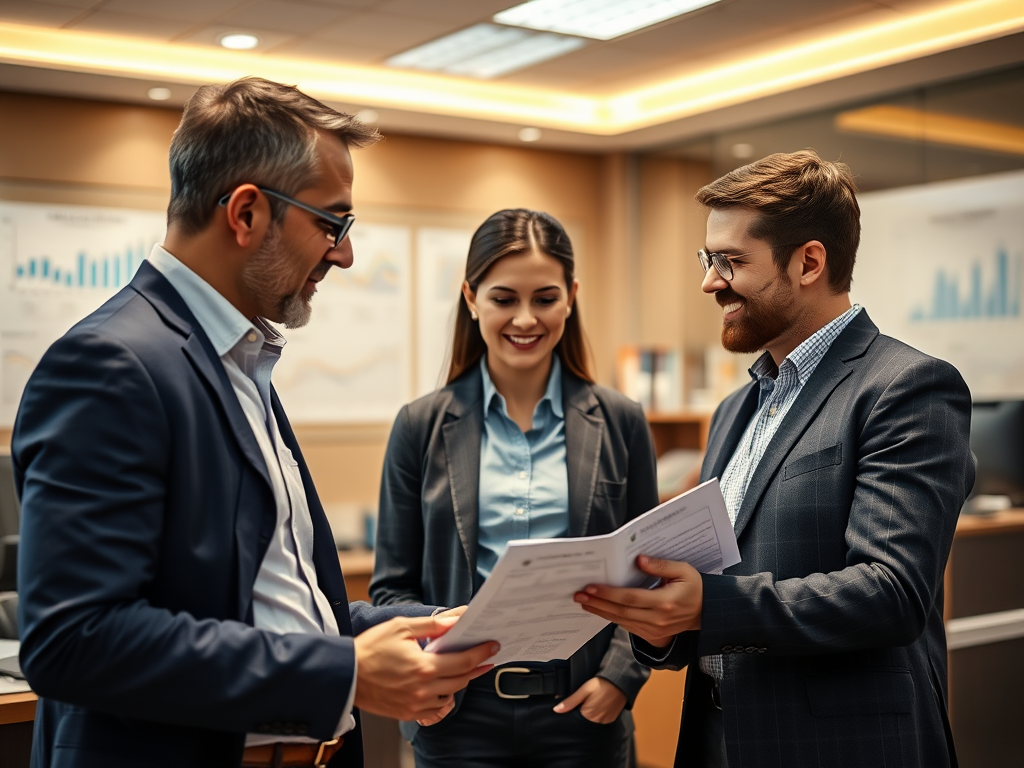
8, 663
527, 605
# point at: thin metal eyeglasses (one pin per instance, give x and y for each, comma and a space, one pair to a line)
722, 263
337, 226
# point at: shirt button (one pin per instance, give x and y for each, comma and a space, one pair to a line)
519, 510
522, 475
251, 336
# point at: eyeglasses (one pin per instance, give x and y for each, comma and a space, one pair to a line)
336, 226
722, 263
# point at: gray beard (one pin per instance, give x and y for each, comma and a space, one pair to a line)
267, 276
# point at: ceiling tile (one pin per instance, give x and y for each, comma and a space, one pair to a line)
297, 18
397, 33
195, 12
38, 14
128, 24
462, 12
329, 49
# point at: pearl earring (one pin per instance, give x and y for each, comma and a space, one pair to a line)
472, 313
568, 311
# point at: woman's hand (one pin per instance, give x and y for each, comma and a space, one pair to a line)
599, 701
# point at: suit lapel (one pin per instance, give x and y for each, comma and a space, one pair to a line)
835, 366
155, 288
461, 433
584, 429
722, 444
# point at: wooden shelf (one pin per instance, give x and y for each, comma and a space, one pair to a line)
684, 429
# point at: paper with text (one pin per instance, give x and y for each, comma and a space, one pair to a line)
526, 603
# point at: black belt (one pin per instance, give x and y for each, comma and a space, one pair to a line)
517, 682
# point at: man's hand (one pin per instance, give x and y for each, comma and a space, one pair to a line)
657, 615
396, 678
599, 700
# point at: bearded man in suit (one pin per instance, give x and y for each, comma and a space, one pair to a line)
844, 465
181, 600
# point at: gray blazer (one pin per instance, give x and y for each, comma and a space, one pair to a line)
427, 526
831, 628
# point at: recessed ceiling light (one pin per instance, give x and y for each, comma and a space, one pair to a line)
485, 50
159, 94
530, 134
742, 151
598, 19
239, 41
368, 116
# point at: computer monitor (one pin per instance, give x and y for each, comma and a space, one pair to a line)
997, 439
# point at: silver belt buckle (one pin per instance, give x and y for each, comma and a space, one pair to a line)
497, 683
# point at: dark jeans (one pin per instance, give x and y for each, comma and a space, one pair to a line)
488, 732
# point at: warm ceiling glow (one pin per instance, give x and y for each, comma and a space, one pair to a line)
530, 134
597, 19
855, 49
934, 127
159, 94
239, 41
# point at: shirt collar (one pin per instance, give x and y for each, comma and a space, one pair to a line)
217, 316
553, 393
809, 353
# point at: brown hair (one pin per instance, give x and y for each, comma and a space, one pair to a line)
799, 197
509, 233
249, 131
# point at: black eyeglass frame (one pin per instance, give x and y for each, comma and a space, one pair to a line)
340, 225
721, 261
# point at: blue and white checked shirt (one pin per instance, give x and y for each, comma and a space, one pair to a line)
777, 395
524, 483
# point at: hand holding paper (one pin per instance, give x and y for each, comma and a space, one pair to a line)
657, 615
527, 603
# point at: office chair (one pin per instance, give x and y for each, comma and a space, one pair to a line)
8, 615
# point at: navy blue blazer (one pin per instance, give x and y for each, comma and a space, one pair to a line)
146, 512
831, 631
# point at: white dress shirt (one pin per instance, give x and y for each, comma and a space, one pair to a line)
286, 597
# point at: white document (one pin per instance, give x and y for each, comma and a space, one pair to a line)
526, 603
11, 684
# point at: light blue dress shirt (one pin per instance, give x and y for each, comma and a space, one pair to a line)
524, 484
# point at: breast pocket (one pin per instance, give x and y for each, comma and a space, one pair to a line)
829, 457
611, 489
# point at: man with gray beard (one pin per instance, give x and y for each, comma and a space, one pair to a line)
181, 598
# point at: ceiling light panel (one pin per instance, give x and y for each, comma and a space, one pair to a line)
597, 19
485, 51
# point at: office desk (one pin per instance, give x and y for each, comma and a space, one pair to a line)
17, 711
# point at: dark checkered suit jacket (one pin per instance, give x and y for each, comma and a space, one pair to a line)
831, 627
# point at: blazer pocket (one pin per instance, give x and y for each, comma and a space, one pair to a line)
611, 489
828, 457
861, 692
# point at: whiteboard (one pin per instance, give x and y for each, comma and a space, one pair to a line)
940, 268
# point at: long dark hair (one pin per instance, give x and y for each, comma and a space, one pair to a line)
512, 232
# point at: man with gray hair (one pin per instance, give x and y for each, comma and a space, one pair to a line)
181, 598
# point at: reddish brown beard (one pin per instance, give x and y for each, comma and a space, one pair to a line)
765, 316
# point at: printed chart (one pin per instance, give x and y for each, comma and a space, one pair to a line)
940, 267
351, 363
57, 264
441, 262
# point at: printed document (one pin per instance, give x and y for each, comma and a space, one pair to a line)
526, 603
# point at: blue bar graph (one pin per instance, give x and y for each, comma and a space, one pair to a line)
85, 271
951, 301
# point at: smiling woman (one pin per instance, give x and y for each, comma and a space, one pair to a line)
520, 444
